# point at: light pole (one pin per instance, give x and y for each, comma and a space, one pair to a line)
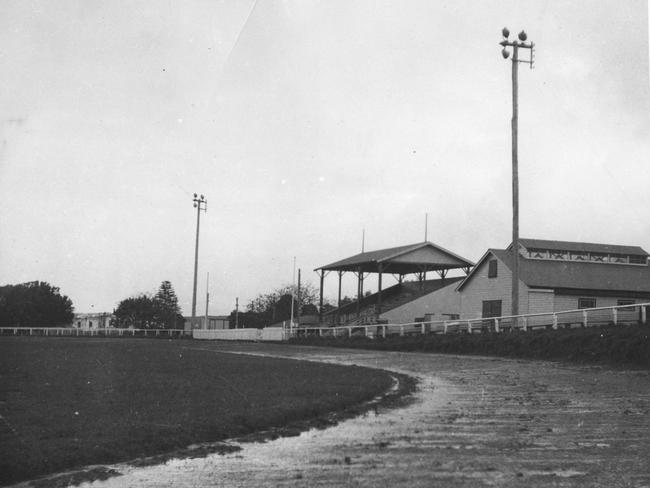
515, 45
200, 203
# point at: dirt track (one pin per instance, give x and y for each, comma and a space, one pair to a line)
474, 422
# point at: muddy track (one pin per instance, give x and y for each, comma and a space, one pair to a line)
474, 422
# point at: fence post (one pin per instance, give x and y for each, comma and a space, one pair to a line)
469, 327
401, 330
643, 315
615, 316
444, 327
423, 328
496, 325
584, 318
555, 321
525, 324
383, 331
366, 330
349, 331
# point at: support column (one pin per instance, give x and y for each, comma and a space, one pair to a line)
359, 281
320, 308
338, 303
379, 294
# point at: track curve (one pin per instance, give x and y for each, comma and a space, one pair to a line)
475, 422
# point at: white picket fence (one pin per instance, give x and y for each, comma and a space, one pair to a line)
587, 317
97, 332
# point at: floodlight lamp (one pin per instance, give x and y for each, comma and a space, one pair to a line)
522, 36
202, 197
195, 195
505, 32
195, 205
505, 53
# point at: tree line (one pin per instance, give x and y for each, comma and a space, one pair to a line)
34, 304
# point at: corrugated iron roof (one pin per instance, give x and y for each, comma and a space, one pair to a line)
369, 261
581, 247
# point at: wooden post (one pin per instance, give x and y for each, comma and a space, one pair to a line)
515, 184
525, 324
320, 308
496, 325
383, 331
469, 327
615, 316
643, 315
444, 325
555, 321
359, 278
378, 311
338, 303
584, 318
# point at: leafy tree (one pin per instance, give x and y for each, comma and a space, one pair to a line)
138, 312
144, 311
36, 304
168, 313
274, 307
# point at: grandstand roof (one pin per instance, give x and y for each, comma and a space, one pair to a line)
414, 258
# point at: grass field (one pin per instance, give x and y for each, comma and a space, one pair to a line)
68, 402
616, 345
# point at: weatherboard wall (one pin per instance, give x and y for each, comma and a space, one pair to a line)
480, 288
438, 305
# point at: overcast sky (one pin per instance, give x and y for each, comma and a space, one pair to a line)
304, 123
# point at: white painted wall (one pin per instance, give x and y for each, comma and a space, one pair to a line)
481, 288
266, 334
443, 301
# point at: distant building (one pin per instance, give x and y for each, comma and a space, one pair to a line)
213, 322
95, 320
556, 276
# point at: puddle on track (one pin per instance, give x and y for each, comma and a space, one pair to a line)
474, 422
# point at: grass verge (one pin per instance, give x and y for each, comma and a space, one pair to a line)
67, 403
614, 345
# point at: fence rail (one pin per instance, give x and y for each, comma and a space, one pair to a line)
98, 332
587, 317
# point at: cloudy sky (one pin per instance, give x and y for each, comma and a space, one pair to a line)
304, 123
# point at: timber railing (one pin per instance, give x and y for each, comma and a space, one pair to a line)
586, 317
95, 332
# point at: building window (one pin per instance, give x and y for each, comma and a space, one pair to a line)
491, 308
492, 268
634, 259
623, 302
586, 303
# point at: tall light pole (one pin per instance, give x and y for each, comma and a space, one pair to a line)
200, 203
517, 44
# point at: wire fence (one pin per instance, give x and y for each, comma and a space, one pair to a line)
587, 317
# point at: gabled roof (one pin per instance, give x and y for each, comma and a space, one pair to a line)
581, 247
539, 273
423, 256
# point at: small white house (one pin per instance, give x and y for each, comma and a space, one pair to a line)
95, 320
556, 276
